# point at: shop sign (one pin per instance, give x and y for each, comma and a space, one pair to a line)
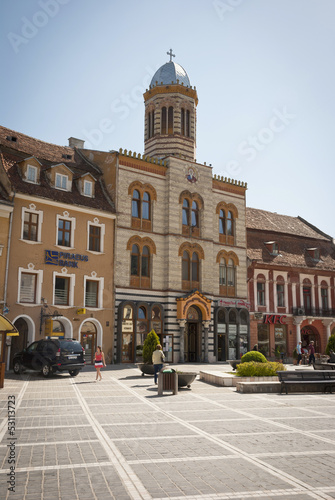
127, 325
64, 259
232, 328
48, 327
273, 319
81, 311
233, 303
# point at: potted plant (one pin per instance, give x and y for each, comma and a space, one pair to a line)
185, 379
149, 346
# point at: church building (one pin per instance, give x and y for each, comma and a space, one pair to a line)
180, 244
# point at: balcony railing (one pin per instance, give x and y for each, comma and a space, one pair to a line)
303, 311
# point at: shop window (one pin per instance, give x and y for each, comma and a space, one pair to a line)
243, 332
156, 320
141, 332
280, 339
232, 335
127, 354
263, 340
62, 289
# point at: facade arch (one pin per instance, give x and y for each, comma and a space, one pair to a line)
141, 243
190, 248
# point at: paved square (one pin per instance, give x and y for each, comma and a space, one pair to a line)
79, 439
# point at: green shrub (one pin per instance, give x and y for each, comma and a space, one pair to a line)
253, 356
331, 344
149, 346
253, 369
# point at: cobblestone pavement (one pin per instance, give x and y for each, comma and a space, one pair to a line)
75, 438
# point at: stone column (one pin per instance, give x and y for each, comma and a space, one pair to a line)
297, 323
206, 328
182, 324
327, 323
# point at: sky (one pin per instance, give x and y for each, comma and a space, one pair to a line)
263, 70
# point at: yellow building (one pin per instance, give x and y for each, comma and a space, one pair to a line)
60, 265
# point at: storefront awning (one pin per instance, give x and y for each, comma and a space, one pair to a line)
7, 327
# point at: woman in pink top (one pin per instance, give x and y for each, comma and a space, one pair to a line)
99, 361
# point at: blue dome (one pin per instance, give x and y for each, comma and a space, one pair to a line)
170, 73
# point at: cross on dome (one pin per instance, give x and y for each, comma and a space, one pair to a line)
171, 55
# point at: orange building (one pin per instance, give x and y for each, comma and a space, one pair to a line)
59, 273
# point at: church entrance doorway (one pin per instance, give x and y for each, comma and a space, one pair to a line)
192, 341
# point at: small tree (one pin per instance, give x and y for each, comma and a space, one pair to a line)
149, 346
331, 344
253, 356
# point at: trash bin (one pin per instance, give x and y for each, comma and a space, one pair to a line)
167, 381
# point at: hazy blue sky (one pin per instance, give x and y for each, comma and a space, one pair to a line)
264, 73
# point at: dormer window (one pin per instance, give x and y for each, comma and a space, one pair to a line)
314, 253
61, 181
11, 138
273, 247
88, 188
32, 174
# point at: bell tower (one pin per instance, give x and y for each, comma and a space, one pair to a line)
170, 113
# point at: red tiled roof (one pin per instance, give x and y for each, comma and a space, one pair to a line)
270, 221
49, 155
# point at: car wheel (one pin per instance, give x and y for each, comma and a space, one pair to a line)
46, 370
17, 367
74, 373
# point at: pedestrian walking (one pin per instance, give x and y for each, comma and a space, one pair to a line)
99, 361
255, 348
299, 352
311, 350
158, 359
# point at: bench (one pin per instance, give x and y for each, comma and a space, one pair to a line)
321, 378
323, 366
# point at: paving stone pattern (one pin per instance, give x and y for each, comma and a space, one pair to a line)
80, 439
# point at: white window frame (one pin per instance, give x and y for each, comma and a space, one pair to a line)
71, 288
39, 281
65, 216
90, 185
32, 168
102, 236
100, 291
39, 227
62, 177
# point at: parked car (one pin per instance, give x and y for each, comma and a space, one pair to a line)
49, 356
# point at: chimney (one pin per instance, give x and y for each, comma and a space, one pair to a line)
76, 143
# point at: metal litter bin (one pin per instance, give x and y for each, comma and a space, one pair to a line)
167, 381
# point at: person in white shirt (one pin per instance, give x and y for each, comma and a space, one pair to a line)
158, 359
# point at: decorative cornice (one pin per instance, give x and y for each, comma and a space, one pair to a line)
145, 158
218, 182
171, 89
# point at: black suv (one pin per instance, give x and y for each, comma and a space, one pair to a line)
51, 355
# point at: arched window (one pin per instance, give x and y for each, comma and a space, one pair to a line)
231, 273
307, 295
280, 288
136, 204
222, 222
195, 267
261, 290
186, 209
163, 121
146, 206
151, 124
146, 262
195, 214
135, 261
140, 267
182, 121
230, 224
223, 272
170, 120
186, 267
324, 297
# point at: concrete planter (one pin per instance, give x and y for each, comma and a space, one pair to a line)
185, 379
227, 380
